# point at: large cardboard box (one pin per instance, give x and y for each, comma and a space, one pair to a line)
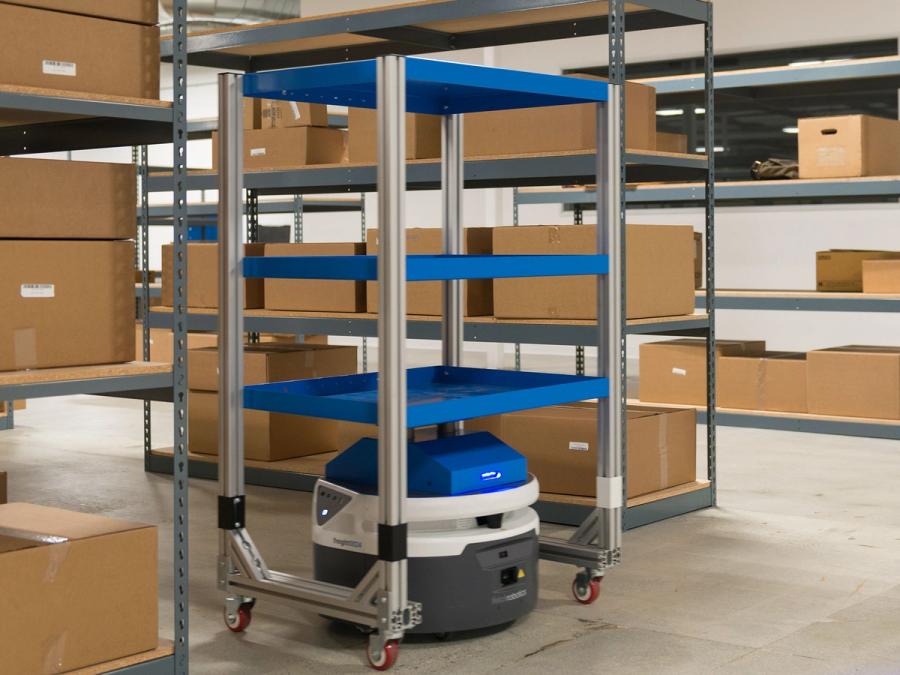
881, 276
659, 272
423, 136
162, 346
276, 114
273, 362
80, 589
773, 381
666, 142
426, 297
849, 146
854, 381
315, 295
66, 303
54, 50
842, 269
287, 148
135, 11
674, 371
53, 199
252, 116
560, 443
562, 128
203, 276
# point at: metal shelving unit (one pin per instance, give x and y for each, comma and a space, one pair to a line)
74, 121
443, 26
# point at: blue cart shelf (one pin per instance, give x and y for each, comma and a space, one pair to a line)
435, 394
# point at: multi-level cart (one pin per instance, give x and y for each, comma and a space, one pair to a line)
397, 399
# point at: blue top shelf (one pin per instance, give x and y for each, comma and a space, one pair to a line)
432, 87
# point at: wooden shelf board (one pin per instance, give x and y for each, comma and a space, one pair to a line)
42, 375
311, 465
633, 501
165, 648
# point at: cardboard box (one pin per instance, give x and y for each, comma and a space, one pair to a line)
268, 436
562, 128
849, 146
162, 346
135, 11
85, 589
203, 276
4, 492
287, 148
699, 257
66, 303
854, 381
252, 117
674, 371
842, 269
287, 114
423, 136
53, 199
315, 295
773, 381
17, 405
273, 362
666, 142
54, 50
560, 443
659, 277
881, 276
426, 297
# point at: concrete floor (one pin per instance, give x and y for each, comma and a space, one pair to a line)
796, 571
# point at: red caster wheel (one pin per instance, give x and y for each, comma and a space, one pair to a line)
586, 592
387, 657
238, 621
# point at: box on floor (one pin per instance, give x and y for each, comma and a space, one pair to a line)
426, 297
774, 381
659, 272
423, 136
285, 148
85, 589
66, 303
841, 270
53, 199
881, 276
849, 146
674, 371
854, 381
57, 50
315, 295
563, 128
203, 276
560, 443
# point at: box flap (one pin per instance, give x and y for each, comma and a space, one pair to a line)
863, 349
34, 521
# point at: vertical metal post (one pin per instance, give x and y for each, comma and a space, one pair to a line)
452, 324
391, 99
179, 332
362, 225
517, 347
298, 219
709, 66
252, 212
144, 246
578, 213
231, 292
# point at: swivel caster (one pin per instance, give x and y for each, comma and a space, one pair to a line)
238, 618
586, 589
384, 658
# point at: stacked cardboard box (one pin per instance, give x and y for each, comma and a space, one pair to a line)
425, 297
849, 147
283, 134
560, 443
66, 263
842, 270
315, 295
66, 45
659, 267
774, 381
267, 436
855, 381
203, 276
85, 589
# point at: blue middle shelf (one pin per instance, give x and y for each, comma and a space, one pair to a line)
425, 267
432, 87
435, 394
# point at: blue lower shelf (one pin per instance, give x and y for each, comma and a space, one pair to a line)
435, 394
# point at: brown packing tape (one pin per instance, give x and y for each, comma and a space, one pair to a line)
27, 535
663, 447
25, 348
553, 235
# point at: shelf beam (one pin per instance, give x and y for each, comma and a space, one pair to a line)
810, 301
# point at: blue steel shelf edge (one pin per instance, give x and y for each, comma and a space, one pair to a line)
432, 87
353, 398
425, 267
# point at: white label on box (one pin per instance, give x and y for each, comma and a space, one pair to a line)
578, 446
66, 68
831, 155
679, 371
38, 291
257, 152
